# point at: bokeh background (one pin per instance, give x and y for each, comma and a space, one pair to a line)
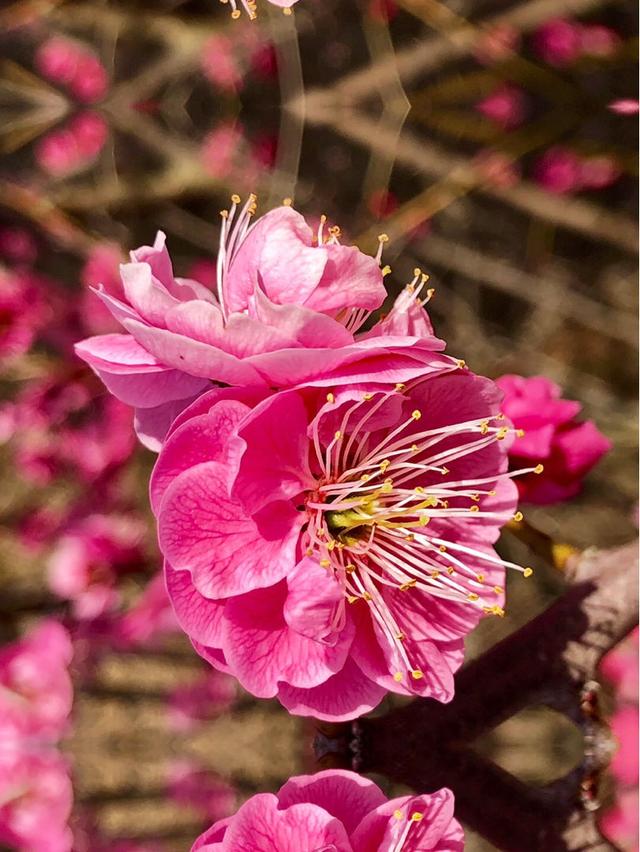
494, 141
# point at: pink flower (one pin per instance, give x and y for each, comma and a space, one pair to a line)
559, 170
558, 42
220, 64
625, 106
620, 667
102, 269
18, 245
88, 559
599, 41
286, 312
497, 44
21, 312
506, 106
327, 547
568, 449
620, 823
337, 810
35, 800
63, 425
598, 172
72, 65
35, 689
73, 147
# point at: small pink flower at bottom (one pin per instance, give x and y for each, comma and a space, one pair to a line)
327, 547
568, 449
337, 811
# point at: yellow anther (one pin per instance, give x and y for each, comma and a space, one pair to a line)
398, 677
474, 508
224, 214
350, 568
338, 435
442, 548
461, 363
384, 464
419, 489
492, 493
410, 537
472, 597
538, 468
518, 517
365, 477
501, 434
287, 11
387, 486
400, 386
309, 551
416, 674
367, 396
520, 433
416, 816
287, 202
408, 585
498, 590
386, 270
497, 610
484, 427
474, 497
235, 199
424, 520
451, 570
366, 596
383, 238
480, 578
417, 272
331, 544
400, 637
416, 415
444, 471
330, 397
351, 599
527, 572
325, 563
414, 448
235, 14
398, 814
434, 575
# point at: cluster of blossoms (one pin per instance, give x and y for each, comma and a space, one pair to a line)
35, 702
337, 810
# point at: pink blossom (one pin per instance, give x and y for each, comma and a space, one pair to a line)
88, 559
559, 170
299, 559
73, 147
21, 312
598, 172
599, 41
289, 303
558, 42
552, 436
337, 810
206, 698
35, 800
35, 688
497, 168
74, 66
18, 245
620, 668
194, 787
625, 106
506, 106
220, 63
497, 44
620, 823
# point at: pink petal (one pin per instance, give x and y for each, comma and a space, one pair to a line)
199, 617
344, 795
313, 599
145, 293
260, 826
346, 695
263, 651
350, 279
203, 530
152, 424
306, 327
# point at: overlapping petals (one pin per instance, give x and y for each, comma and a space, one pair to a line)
325, 546
288, 307
337, 810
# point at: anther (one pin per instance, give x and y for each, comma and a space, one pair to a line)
518, 517
398, 814
474, 508
325, 563
498, 590
442, 548
416, 674
472, 597
461, 363
538, 468
330, 397
527, 572
416, 816
398, 679
416, 415
400, 386
338, 435
386, 270
235, 199
480, 578
502, 433
287, 202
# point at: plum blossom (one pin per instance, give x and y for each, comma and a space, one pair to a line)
326, 545
74, 66
339, 811
288, 308
35, 689
88, 559
193, 787
150, 618
568, 449
22, 312
206, 698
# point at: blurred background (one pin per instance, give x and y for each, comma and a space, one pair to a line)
494, 141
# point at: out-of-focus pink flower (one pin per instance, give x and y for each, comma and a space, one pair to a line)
289, 304
74, 66
35, 688
497, 43
220, 64
150, 618
382, 11
314, 563
599, 41
568, 449
22, 312
339, 810
620, 823
620, 667
64, 425
225, 152
625, 106
506, 106
497, 168
17, 245
197, 702
102, 269
87, 561
73, 147
35, 800
194, 787
624, 725
558, 42
598, 172
559, 170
